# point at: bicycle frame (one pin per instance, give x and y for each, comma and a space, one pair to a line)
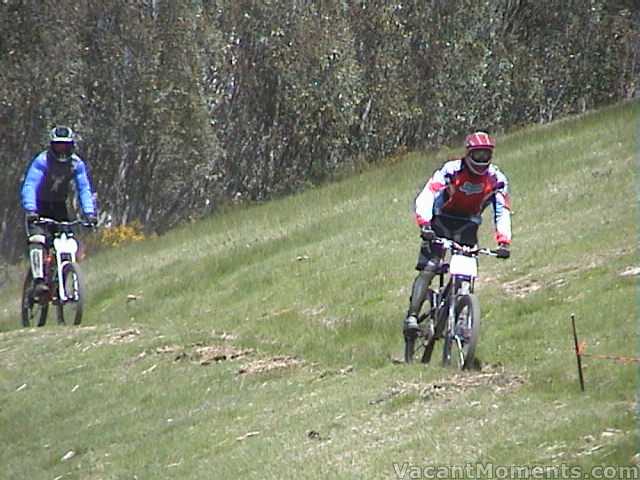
65, 248
462, 271
454, 313
64, 280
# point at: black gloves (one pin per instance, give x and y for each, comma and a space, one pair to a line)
427, 234
92, 220
31, 216
503, 251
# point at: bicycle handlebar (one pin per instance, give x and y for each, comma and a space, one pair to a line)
51, 221
455, 246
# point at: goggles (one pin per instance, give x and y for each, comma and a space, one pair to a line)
62, 148
481, 155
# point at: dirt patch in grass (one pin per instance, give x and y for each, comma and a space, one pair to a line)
555, 276
204, 354
521, 287
269, 364
120, 336
493, 376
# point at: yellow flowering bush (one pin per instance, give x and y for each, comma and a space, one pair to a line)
121, 234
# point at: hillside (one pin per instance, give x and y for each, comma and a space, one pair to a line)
262, 341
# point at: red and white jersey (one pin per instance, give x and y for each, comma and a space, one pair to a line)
454, 190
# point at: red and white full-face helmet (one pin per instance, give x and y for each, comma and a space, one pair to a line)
479, 147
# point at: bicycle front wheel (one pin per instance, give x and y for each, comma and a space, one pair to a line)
71, 308
33, 313
466, 331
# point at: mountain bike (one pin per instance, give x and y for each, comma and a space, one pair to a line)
453, 315
61, 274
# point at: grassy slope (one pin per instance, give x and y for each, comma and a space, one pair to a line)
324, 276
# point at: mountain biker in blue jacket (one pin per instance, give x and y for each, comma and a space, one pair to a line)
451, 206
45, 190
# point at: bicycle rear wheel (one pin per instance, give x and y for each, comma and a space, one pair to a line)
73, 306
33, 313
466, 331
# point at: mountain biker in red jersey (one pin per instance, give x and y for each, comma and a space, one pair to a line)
451, 206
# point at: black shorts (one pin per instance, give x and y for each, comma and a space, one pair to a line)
461, 230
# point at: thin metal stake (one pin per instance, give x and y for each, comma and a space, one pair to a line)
578, 356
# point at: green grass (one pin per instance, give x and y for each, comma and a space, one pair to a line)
323, 278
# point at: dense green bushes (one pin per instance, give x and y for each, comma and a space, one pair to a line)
182, 105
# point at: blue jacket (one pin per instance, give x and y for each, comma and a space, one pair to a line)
47, 180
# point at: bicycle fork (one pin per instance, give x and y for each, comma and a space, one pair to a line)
450, 335
448, 331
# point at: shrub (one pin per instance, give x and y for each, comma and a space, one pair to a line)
120, 234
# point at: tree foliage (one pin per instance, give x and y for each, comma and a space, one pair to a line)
183, 105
